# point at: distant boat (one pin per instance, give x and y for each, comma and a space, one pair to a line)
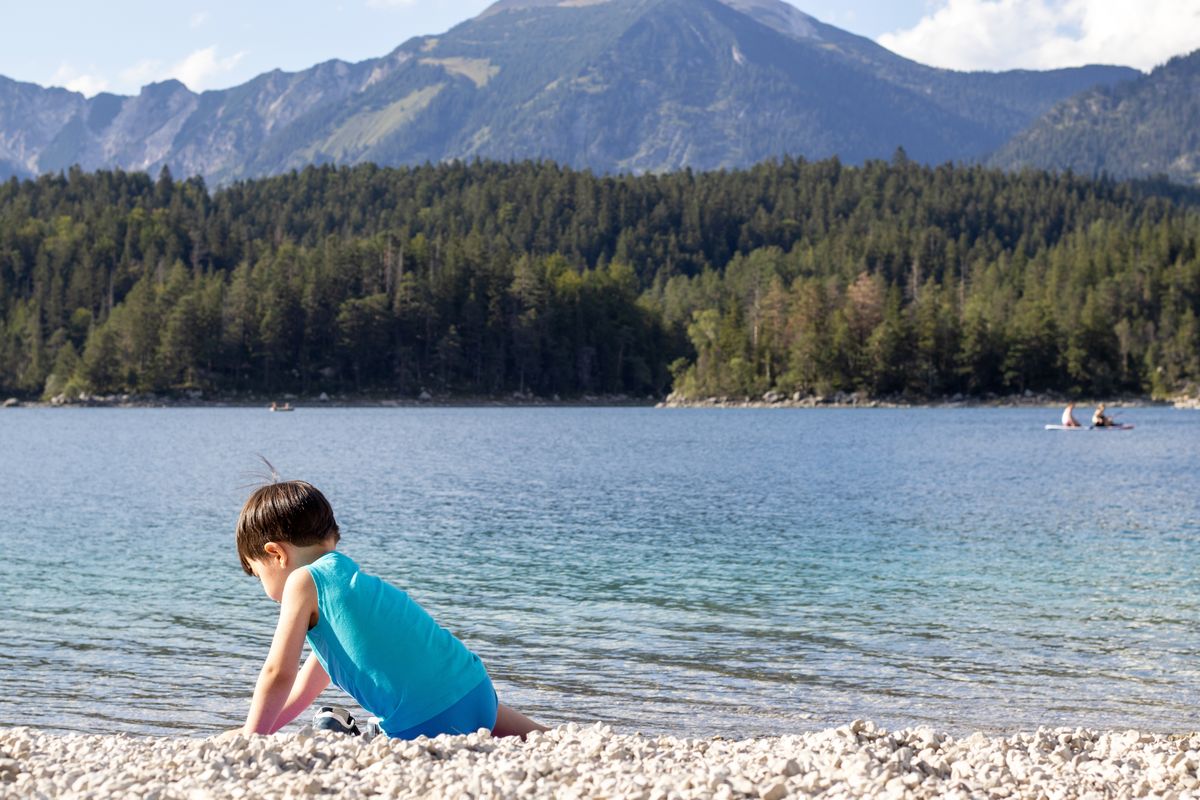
284, 407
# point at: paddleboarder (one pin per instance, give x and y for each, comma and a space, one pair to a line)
1068, 417
1100, 419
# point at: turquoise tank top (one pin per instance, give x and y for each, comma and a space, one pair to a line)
380, 647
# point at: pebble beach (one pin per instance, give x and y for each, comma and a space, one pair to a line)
572, 761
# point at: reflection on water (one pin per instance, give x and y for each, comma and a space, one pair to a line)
693, 572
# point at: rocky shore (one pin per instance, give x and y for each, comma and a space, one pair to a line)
857, 760
198, 399
195, 398
862, 400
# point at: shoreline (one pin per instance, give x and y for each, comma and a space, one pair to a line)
855, 760
838, 401
1011, 401
336, 401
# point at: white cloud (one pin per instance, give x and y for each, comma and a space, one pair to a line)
141, 73
1046, 34
198, 19
200, 70
70, 78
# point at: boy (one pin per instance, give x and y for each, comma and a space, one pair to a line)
367, 637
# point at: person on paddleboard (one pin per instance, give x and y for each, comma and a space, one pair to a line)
1100, 419
1068, 417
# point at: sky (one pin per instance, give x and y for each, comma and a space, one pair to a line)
121, 45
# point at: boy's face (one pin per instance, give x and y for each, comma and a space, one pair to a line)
272, 570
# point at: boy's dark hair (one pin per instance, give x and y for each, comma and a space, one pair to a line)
288, 511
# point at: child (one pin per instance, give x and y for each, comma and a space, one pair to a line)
370, 638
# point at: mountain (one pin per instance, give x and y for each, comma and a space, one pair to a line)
1143, 127
636, 85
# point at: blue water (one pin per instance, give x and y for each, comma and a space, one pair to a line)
686, 571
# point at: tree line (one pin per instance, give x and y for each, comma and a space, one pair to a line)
488, 278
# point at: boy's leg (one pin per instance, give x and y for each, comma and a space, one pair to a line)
510, 722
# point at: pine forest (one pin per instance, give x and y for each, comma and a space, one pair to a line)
482, 279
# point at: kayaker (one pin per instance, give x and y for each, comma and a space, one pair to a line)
1100, 419
1068, 417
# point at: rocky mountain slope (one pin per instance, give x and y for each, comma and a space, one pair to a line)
1145, 127
637, 85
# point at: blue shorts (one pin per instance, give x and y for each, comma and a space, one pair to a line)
476, 710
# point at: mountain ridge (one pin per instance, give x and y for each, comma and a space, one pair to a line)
612, 85
1147, 126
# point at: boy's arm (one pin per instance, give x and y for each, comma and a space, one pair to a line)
275, 681
311, 681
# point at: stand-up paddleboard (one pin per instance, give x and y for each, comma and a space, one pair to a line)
1089, 427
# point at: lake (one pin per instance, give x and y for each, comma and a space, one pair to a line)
696, 572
